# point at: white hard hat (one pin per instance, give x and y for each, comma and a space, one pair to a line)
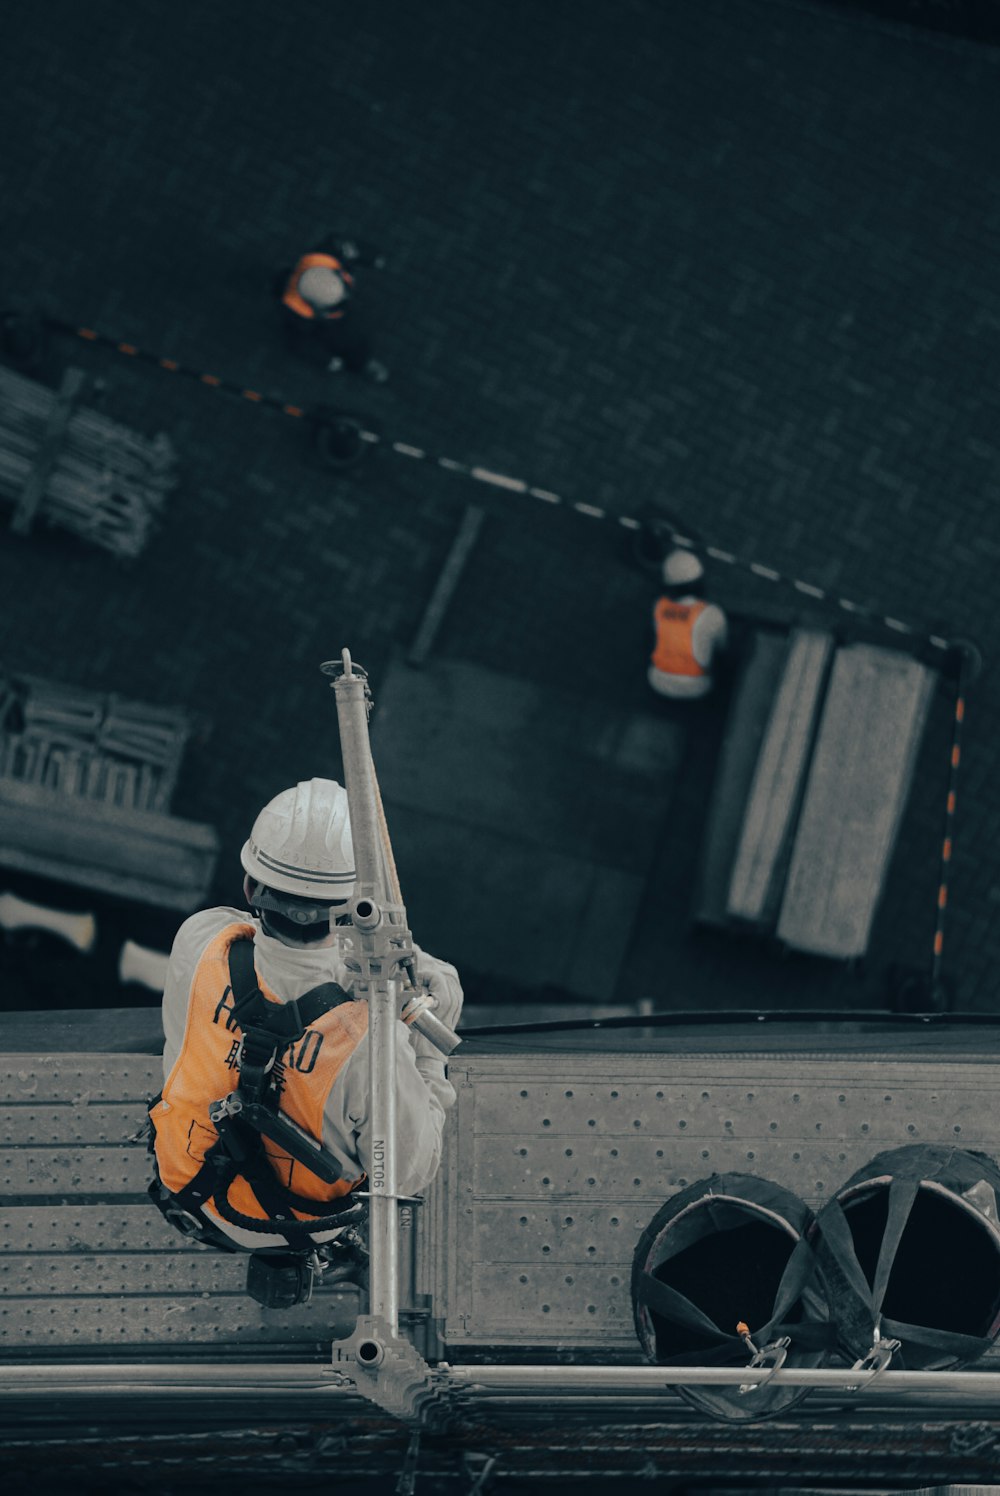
321, 287
301, 842
681, 567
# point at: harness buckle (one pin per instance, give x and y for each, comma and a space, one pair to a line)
184, 1222
229, 1106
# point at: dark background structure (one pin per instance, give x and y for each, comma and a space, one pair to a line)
732, 262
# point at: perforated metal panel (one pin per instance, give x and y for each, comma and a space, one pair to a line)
79, 1080
88, 1324
102, 1172
73, 1227
90, 1122
556, 1163
86, 1261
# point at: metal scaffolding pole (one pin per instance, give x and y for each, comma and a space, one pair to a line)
641, 1388
383, 1366
553, 1382
377, 983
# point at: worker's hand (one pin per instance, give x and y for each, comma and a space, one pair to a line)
440, 981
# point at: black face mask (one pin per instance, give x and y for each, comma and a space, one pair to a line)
280, 928
298, 915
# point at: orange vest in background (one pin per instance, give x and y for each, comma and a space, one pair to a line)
674, 652
294, 301
205, 1072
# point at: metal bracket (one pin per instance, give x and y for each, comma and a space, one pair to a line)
392, 1373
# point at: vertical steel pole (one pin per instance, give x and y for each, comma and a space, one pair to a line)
379, 989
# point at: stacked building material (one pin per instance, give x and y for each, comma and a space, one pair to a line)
77, 470
820, 750
102, 747
86, 781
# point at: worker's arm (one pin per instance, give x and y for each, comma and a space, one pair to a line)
189, 943
721, 628
440, 979
419, 1115
710, 635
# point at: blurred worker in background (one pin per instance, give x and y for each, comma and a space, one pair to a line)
321, 310
299, 865
689, 632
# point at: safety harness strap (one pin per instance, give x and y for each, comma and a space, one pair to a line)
216, 1177
267, 1028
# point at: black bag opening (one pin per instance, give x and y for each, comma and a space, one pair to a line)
911, 1244
729, 1251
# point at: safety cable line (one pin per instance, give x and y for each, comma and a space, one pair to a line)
695, 1019
500, 481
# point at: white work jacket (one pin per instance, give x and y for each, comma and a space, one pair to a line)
423, 1092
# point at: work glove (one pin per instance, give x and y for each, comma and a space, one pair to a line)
439, 980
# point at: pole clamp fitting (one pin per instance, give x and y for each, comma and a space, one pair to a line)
773, 1355
875, 1361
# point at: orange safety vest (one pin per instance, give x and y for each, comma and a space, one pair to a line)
674, 651
205, 1072
294, 301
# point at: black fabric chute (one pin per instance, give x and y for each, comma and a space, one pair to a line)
910, 1244
726, 1250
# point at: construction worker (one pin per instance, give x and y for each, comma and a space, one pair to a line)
689, 631
321, 312
218, 1179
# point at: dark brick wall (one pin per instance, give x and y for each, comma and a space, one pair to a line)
735, 260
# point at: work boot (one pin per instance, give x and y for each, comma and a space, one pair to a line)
278, 1280
344, 1260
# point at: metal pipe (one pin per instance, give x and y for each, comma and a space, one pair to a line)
164, 1378
372, 942
383, 1005
415, 1013
353, 700
958, 1389
552, 1380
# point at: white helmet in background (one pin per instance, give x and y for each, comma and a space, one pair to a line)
301, 843
681, 568
321, 287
